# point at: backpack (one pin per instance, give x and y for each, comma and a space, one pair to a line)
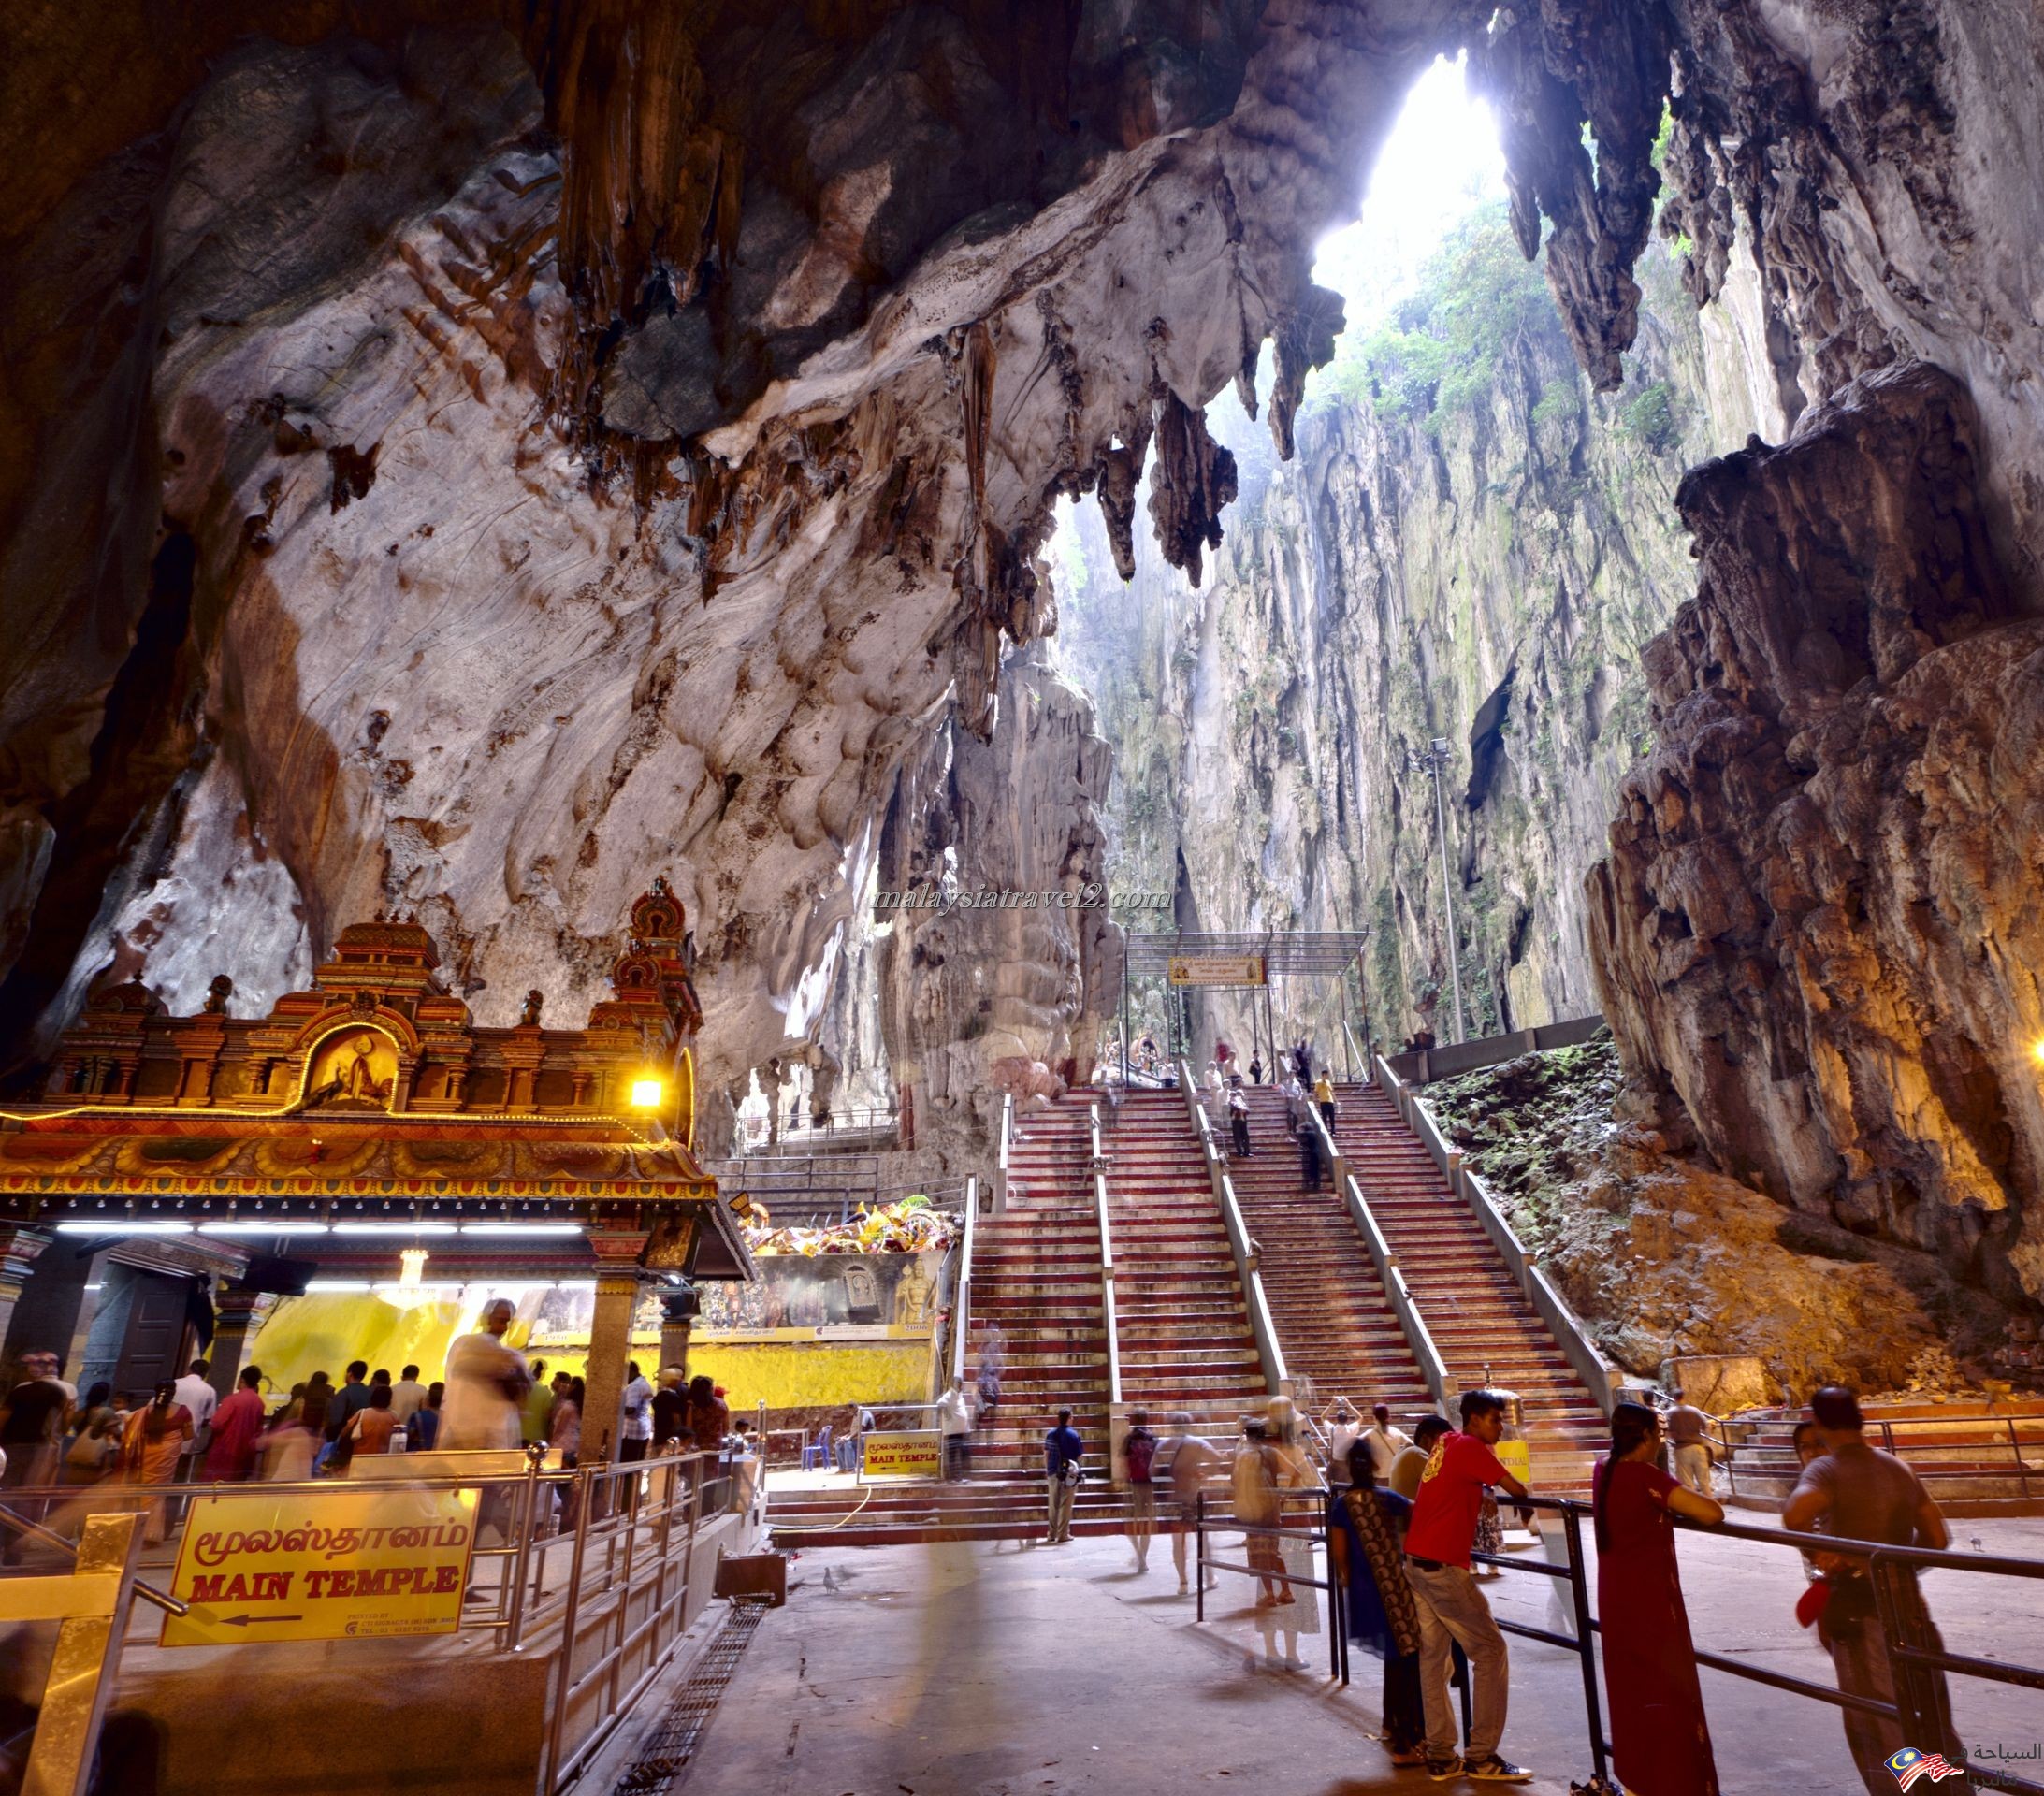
1142, 1451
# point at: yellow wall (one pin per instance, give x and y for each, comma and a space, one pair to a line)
794, 1375
323, 1331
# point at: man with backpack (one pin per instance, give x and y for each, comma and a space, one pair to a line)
1140, 1448
1062, 1451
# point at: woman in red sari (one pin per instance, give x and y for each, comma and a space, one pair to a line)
1661, 1744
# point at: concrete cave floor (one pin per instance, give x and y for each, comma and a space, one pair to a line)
1000, 1671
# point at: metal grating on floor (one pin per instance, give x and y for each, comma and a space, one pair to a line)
665, 1751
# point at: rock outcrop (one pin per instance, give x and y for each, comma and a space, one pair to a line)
1820, 928
1664, 1258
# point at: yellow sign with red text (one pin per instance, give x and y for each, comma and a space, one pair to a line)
904, 1454
358, 1563
1516, 1457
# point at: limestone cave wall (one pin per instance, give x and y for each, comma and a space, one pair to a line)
1483, 562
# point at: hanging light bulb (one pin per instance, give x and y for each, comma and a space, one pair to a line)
412, 1263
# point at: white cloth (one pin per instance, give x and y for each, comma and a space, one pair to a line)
197, 1397
1385, 1445
1341, 1438
954, 1413
407, 1398
638, 1422
480, 1409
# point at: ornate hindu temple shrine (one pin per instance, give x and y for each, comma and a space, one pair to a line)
193, 1167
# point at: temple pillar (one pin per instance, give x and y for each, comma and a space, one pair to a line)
19, 1249
678, 1305
619, 1278
234, 1325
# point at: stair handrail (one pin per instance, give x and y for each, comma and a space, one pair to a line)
1359, 1055
961, 1300
1418, 1339
1597, 1372
1107, 1261
1269, 1352
1000, 1163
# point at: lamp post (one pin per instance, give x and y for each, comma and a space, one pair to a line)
1433, 759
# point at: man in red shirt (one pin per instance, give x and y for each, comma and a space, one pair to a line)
1452, 1610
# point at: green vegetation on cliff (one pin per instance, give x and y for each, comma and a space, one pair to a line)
1438, 352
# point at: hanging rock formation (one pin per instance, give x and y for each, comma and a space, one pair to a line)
467, 469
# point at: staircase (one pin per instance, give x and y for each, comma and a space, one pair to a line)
1482, 1322
1334, 1320
1184, 1334
1977, 1459
1183, 1330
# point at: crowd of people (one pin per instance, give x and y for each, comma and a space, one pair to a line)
184, 1433
1409, 1518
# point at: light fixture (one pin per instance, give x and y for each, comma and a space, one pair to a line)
124, 1228
2038, 1049
521, 1228
646, 1093
262, 1228
394, 1228
338, 1284
412, 1263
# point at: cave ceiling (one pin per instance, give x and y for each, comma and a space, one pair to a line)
465, 459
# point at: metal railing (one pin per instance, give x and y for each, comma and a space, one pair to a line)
1422, 1065
1107, 1257
1920, 1707
1419, 1340
856, 1123
1001, 1160
1266, 1574
822, 1191
961, 1298
1597, 1372
1270, 1351
1917, 1434
607, 1542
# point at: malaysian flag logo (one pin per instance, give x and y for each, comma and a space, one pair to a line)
1909, 1765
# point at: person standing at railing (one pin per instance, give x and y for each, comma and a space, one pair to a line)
1254, 1479
1661, 1744
1689, 1444
1859, 1493
1410, 1467
1062, 1451
1364, 1524
1452, 1610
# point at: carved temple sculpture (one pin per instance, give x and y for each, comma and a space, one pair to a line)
374, 1094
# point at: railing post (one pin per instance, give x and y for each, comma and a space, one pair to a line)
1000, 1163
1586, 1636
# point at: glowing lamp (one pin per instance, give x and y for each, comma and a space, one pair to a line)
2038, 1051
646, 1094
412, 1263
